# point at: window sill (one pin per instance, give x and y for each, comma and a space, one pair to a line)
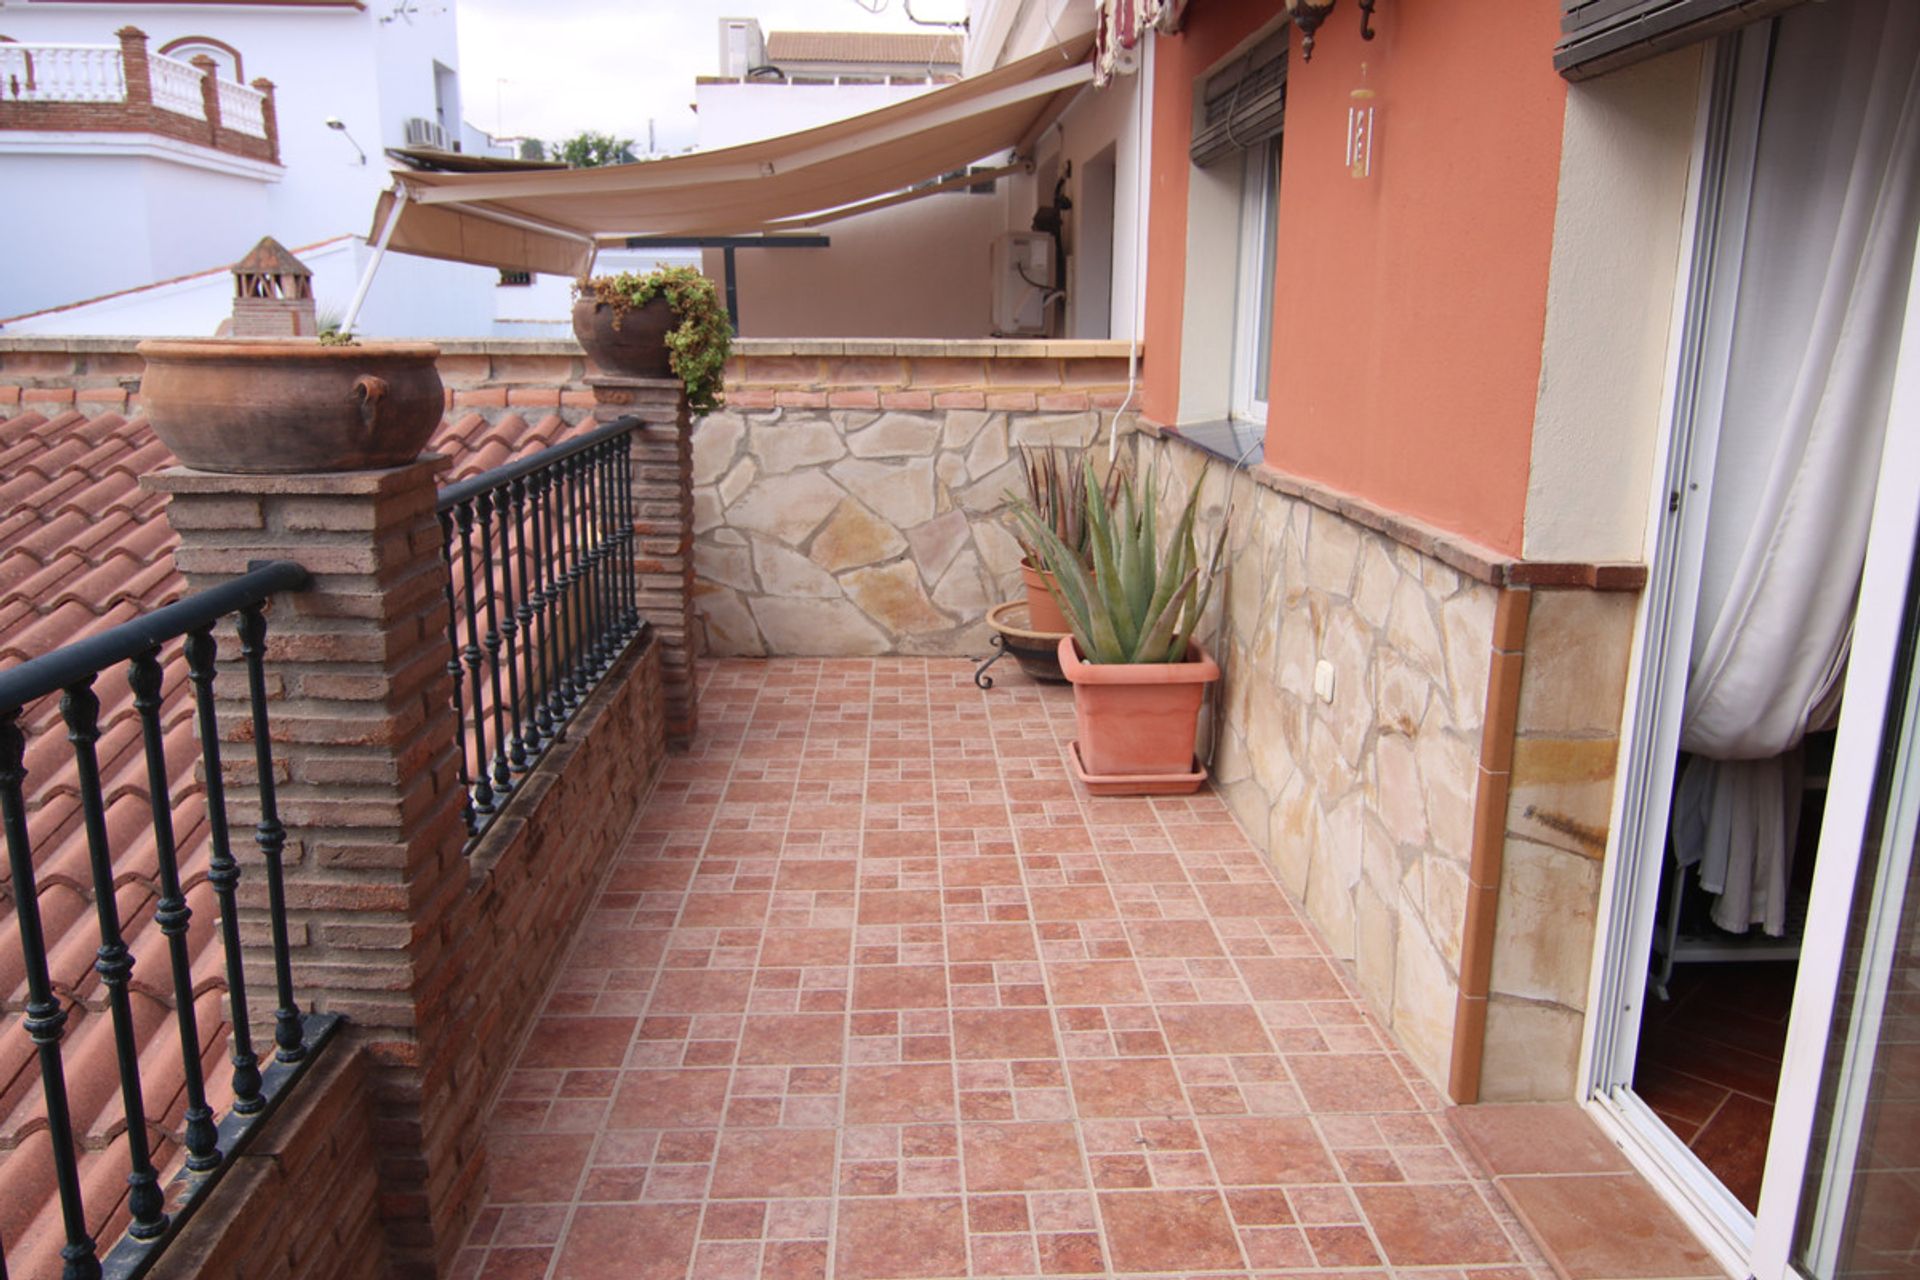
1233, 440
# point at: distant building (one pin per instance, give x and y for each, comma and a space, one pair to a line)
210, 125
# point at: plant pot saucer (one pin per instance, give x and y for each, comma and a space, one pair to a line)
1136, 784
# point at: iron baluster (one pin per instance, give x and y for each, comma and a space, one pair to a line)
556, 595
45, 1015
482, 788
526, 741
80, 707
289, 1032
502, 765
609, 609
583, 564
223, 873
574, 606
629, 561
172, 914
601, 599
467, 813
543, 601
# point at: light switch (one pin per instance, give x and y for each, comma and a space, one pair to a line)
1323, 680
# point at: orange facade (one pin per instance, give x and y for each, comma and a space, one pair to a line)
1410, 304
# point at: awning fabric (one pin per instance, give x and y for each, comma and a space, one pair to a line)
552, 221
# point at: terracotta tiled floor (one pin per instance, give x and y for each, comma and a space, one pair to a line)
875, 992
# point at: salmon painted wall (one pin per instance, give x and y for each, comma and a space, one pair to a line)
1410, 305
1212, 30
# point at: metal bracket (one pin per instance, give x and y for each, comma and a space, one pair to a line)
980, 676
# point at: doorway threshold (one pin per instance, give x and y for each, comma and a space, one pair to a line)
1591, 1212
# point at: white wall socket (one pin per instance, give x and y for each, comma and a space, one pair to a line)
1323, 680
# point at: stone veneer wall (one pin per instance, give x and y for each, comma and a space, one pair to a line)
1364, 803
852, 497
1441, 817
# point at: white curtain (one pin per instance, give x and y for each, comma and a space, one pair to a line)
1828, 250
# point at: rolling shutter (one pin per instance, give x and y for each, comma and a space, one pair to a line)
1599, 35
1244, 105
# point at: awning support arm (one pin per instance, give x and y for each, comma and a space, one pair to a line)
373, 263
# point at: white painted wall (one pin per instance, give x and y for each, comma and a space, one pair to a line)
918, 270
131, 217
1624, 156
1003, 31
730, 114
168, 219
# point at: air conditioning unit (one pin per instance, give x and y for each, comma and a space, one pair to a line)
1022, 268
422, 132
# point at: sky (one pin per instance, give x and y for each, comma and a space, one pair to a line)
550, 68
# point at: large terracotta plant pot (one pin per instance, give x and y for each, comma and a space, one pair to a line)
1043, 611
266, 406
1137, 722
634, 346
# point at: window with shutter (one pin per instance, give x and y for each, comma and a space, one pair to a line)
1600, 35
1243, 105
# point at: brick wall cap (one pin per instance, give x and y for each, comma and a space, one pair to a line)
610, 380
186, 480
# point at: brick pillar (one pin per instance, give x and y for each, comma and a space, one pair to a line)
133, 67
210, 96
663, 494
269, 118
364, 748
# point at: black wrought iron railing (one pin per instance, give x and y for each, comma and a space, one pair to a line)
152, 1211
542, 599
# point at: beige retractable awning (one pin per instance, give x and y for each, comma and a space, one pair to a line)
552, 221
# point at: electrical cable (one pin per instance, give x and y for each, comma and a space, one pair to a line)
1216, 692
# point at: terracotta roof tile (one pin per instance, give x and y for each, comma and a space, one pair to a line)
886, 48
82, 548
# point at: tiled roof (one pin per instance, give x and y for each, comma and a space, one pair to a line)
904, 48
83, 548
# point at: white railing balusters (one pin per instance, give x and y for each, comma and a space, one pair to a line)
242, 108
62, 73
176, 86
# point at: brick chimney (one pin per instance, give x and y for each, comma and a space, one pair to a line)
272, 294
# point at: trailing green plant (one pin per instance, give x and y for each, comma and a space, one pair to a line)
1129, 601
697, 348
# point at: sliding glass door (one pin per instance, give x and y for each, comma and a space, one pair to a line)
1804, 228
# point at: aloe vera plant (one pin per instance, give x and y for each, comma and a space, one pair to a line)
1128, 602
1057, 494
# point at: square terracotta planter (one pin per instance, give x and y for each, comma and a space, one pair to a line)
1138, 721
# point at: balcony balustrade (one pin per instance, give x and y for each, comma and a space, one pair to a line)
537, 613
62, 73
124, 87
36, 856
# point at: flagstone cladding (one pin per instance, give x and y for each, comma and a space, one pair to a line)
1443, 815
